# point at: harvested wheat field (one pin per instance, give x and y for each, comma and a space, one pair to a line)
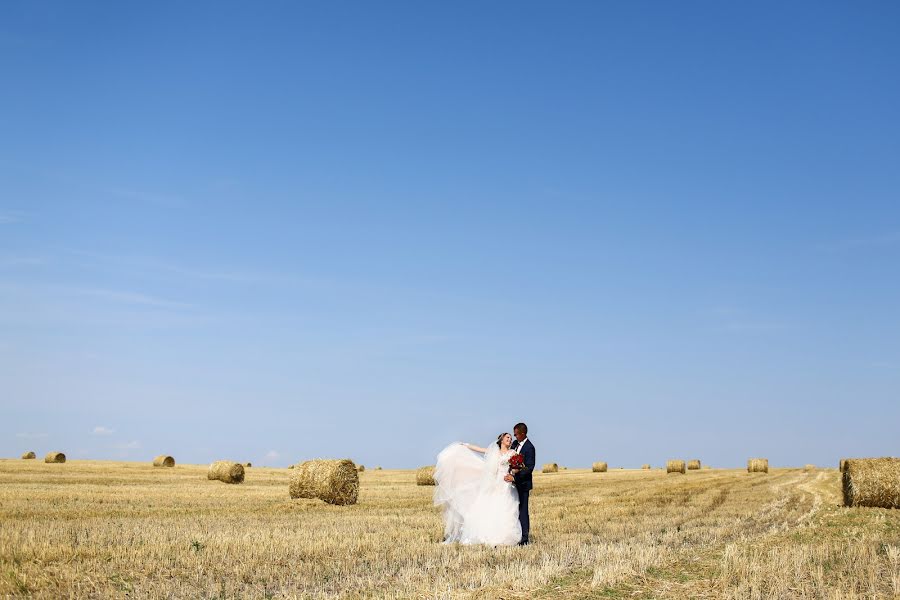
105, 529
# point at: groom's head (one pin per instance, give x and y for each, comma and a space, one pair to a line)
520, 431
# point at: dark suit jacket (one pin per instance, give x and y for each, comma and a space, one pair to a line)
523, 477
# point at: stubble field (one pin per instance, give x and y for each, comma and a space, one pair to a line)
89, 529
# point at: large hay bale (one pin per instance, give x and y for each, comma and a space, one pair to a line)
550, 468
675, 466
599, 467
872, 482
163, 461
29, 455
425, 476
758, 465
332, 481
693, 465
226, 471
361, 468
55, 457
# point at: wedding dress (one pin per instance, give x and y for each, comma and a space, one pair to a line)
479, 507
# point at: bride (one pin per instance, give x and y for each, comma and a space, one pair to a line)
479, 506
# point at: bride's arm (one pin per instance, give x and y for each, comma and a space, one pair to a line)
475, 448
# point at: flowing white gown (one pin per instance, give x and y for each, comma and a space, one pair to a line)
479, 507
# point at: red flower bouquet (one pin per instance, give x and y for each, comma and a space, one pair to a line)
516, 462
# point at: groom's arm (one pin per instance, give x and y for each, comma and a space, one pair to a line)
528, 456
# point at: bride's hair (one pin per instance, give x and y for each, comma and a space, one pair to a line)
500, 439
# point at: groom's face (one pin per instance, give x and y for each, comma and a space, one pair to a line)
520, 435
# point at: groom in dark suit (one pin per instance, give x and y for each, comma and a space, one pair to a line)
522, 477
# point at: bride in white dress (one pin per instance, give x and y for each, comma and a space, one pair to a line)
479, 506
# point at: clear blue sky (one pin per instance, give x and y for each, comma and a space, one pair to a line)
281, 231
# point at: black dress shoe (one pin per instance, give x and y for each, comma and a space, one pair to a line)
523, 543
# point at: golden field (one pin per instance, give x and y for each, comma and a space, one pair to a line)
87, 529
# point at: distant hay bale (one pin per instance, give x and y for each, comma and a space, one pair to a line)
425, 476
361, 468
163, 461
291, 467
873, 482
29, 455
226, 472
329, 480
378, 468
675, 466
758, 465
248, 464
55, 457
550, 468
809, 467
693, 465
599, 467
645, 466
564, 468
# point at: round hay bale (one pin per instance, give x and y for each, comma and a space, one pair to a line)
29, 455
809, 467
599, 467
226, 472
645, 466
377, 468
55, 457
758, 465
693, 465
332, 481
675, 466
425, 476
248, 464
871, 482
361, 468
550, 468
163, 461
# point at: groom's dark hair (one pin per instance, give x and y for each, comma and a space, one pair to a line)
521, 427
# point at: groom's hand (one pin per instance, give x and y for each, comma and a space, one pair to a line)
509, 479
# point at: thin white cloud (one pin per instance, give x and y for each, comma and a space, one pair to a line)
11, 216
29, 435
11, 262
101, 430
129, 445
883, 240
272, 455
126, 297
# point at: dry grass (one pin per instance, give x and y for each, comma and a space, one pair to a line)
675, 466
599, 467
84, 532
425, 476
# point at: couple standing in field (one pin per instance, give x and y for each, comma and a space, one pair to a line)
484, 491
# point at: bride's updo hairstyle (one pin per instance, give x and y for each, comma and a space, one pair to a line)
500, 439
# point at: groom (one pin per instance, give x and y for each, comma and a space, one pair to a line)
522, 477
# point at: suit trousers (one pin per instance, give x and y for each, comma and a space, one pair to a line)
524, 521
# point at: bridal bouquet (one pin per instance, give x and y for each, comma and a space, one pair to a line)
516, 462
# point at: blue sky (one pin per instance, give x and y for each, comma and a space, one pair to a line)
270, 233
